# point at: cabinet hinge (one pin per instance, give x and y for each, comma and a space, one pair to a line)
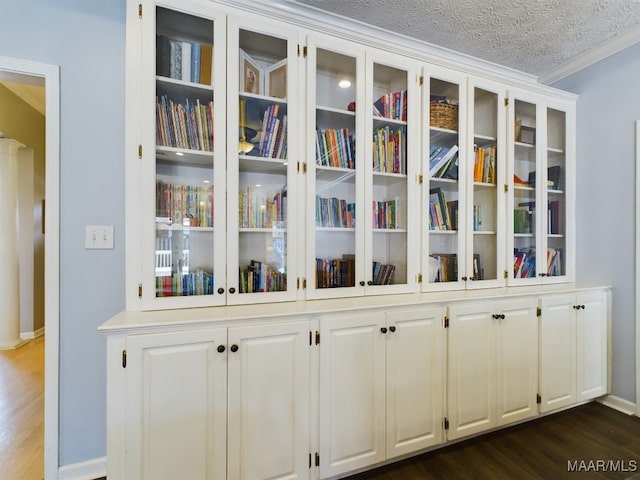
310, 343
446, 423
420, 80
419, 278
124, 359
140, 290
317, 459
419, 179
506, 187
298, 283
302, 51
304, 283
139, 10
538, 312
506, 101
139, 151
446, 322
302, 167
538, 399
506, 274
317, 337
309, 459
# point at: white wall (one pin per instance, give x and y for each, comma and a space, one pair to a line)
87, 40
608, 106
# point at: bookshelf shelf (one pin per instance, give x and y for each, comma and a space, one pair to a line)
183, 84
183, 156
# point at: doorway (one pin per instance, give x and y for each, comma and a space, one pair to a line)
30, 73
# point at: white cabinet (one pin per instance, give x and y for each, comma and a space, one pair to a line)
573, 349
492, 365
175, 403
381, 380
209, 404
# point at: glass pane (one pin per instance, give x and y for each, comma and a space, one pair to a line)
443, 181
389, 163
184, 158
556, 226
335, 163
262, 149
485, 192
524, 196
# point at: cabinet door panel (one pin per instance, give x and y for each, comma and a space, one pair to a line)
176, 406
352, 387
268, 402
517, 350
592, 346
557, 353
414, 380
472, 393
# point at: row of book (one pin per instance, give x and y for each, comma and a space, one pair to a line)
184, 204
386, 214
188, 125
443, 161
443, 267
335, 213
336, 272
181, 60
199, 282
260, 277
443, 214
259, 210
484, 164
478, 218
382, 274
523, 217
524, 262
335, 148
392, 105
390, 150
273, 138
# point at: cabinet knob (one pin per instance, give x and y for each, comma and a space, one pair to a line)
383, 329
495, 316
472, 278
362, 283
370, 282
234, 348
392, 328
502, 317
579, 307
464, 278
232, 290
221, 348
221, 290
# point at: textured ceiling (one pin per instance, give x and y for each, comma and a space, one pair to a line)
532, 36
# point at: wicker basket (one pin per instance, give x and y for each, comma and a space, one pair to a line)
444, 115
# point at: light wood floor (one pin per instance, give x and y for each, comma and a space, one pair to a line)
22, 412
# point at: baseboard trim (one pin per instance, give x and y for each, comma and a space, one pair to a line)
617, 403
32, 335
89, 470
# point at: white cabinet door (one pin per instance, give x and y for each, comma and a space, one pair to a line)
592, 328
557, 352
472, 373
176, 404
268, 402
352, 386
415, 369
517, 355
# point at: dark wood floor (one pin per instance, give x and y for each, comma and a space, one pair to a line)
541, 449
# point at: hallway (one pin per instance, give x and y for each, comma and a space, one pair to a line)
22, 412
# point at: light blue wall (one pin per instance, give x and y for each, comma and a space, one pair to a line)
608, 106
86, 38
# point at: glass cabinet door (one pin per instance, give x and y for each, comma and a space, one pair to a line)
555, 264
335, 265
444, 170
189, 160
261, 163
485, 199
526, 178
391, 170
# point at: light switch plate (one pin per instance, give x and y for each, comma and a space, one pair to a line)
98, 237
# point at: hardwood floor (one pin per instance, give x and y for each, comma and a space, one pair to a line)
22, 412
544, 449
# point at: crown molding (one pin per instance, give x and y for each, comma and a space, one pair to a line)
614, 45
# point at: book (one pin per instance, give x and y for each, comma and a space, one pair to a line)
206, 63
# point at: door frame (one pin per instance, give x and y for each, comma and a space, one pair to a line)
51, 76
